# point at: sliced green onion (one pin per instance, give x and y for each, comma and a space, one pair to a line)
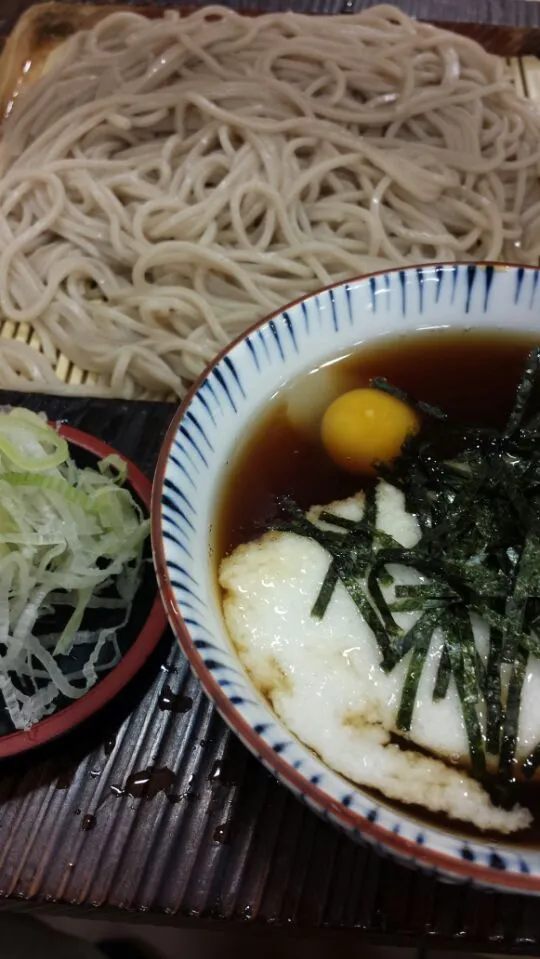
69, 538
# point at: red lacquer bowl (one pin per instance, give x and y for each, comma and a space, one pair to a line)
144, 643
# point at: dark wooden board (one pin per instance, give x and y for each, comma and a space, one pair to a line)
163, 812
208, 833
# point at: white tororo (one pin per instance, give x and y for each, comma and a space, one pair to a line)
323, 677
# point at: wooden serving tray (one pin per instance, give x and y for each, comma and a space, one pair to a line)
31, 33
163, 815
156, 812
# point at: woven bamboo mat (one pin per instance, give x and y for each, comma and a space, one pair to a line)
526, 73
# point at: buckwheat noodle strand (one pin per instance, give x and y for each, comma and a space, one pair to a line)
168, 182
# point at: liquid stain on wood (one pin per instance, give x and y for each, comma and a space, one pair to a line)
174, 702
148, 783
223, 833
88, 823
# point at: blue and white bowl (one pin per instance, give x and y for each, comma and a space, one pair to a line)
201, 440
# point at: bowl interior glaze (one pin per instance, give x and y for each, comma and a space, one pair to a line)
199, 446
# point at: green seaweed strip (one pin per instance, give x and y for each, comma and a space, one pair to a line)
332, 519
414, 672
468, 699
369, 519
527, 583
379, 383
494, 694
357, 594
382, 606
512, 628
424, 596
497, 620
412, 605
423, 592
511, 719
326, 592
524, 392
472, 671
444, 674
481, 671
415, 635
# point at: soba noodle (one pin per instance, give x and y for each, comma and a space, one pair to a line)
168, 182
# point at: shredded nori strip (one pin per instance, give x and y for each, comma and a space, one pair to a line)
444, 674
494, 694
379, 383
327, 591
511, 719
423, 631
524, 392
462, 670
478, 554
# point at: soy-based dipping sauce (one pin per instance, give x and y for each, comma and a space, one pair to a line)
471, 375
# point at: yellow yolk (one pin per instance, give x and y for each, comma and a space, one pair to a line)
366, 426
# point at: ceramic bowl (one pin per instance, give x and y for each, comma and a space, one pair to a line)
138, 639
199, 445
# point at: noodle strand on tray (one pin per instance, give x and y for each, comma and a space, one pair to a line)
169, 182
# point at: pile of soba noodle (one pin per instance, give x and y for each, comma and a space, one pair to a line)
169, 182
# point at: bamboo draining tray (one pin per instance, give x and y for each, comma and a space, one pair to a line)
28, 33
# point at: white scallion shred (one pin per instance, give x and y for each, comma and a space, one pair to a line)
71, 541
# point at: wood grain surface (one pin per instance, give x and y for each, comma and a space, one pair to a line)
156, 808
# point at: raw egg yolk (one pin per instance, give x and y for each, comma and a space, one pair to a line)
366, 426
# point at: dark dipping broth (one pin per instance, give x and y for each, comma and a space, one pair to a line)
471, 375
